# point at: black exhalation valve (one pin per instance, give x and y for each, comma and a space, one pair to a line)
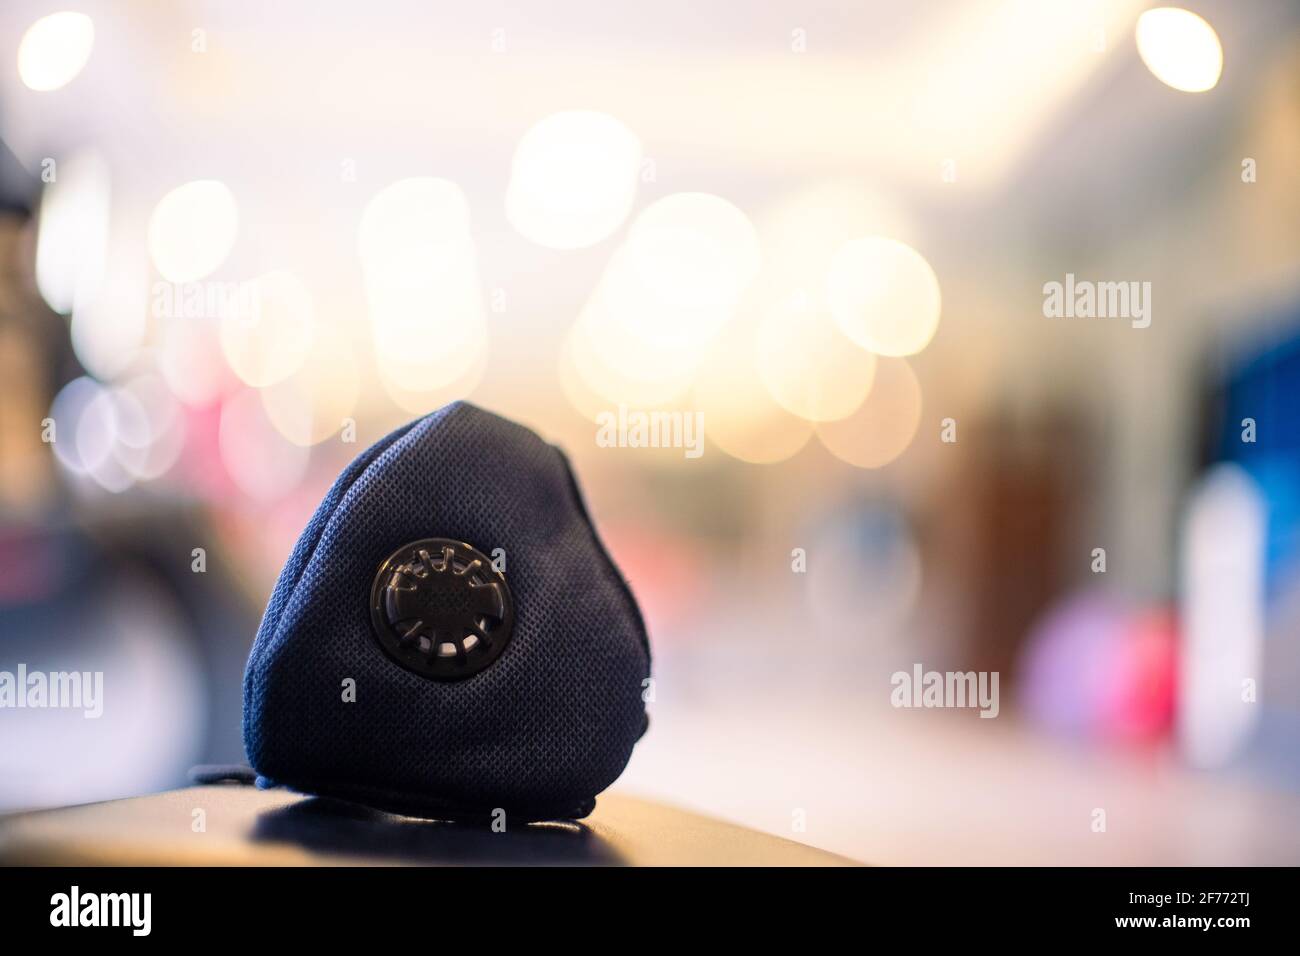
440, 609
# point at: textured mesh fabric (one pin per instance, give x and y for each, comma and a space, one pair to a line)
539, 732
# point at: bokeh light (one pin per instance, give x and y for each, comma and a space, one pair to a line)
1070, 663
116, 435
189, 359
1223, 578
422, 288
883, 295
73, 231
665, 295
573, 180
67, 410
192, 230
809, 367
1140, 706
419, 212
688, 251
110, 317
151, 428
591, 381
427, 322
611, 352
263, 464
421, 401
55, 49
740, 415
310, 405
882, 428
801, 232
97, 436
1180, 48
268, 342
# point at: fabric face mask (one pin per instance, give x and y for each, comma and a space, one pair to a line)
449, 637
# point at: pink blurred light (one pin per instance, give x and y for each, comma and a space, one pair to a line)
1095, 669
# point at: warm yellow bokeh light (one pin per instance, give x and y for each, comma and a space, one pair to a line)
421, 401
427, 322
421, 285
311, 404
885, 425
693, 251
55, 49
808, 365
427, 330
417, 213
802, 231
266, 338
434, 357
192, 230
740, 416
1180, 48
883, 295
664, 296
592, 384
422, 290
582, 398
573, 180
671, 288
618, 346
636, 313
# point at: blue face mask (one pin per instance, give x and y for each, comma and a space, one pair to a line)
449, 637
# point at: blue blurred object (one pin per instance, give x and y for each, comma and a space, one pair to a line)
1264, 387
1262, 383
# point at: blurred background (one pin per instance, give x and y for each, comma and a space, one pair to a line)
240, 241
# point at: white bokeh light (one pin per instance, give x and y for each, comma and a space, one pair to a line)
266, 338
67, 410
694, 251
119, 435
422, 288
55, 49
150, 428
573, 180
73, 230
1180, 48
421, 212
192, 230
110, 316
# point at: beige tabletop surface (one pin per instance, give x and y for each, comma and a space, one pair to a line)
230, 824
